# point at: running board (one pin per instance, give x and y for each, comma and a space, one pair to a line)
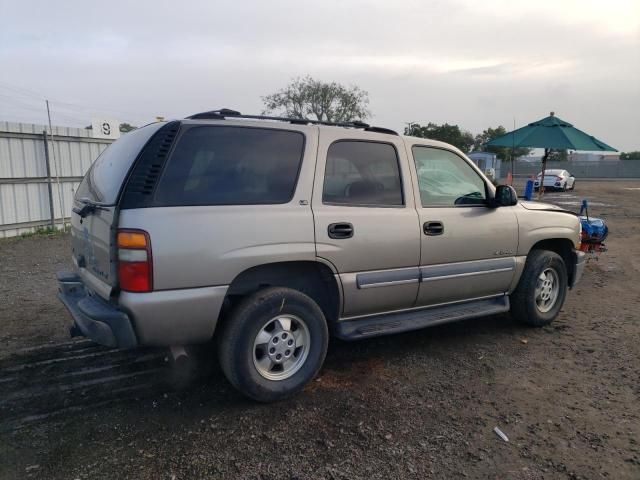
398, 322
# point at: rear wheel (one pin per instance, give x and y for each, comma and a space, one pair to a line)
542, 289
273, 344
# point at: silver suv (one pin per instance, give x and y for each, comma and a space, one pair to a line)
268, 234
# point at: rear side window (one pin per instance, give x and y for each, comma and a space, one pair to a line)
105, 177
231, 166
362, 174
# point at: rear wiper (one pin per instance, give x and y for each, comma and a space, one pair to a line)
88, 208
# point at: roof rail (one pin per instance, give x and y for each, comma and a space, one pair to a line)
224, 113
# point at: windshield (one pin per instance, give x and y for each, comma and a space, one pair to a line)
102, 182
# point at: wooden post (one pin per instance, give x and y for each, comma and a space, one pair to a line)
547, 151
49, 188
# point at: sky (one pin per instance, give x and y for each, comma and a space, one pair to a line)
474, 63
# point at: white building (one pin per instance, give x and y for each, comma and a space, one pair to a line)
488, 162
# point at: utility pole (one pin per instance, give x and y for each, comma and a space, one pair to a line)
55, 166
513, 148
49, 188
409, 125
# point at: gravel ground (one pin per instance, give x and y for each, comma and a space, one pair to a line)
417, 405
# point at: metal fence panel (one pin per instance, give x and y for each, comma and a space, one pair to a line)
589, 169
24, 196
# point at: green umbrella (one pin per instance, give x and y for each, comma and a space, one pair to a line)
550, 133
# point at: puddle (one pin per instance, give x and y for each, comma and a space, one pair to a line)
579, 203
567, 195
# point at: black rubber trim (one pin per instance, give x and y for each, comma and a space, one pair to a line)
147, 168
373, 278
474, 266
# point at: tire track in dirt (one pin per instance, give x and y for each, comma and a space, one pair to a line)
40, 382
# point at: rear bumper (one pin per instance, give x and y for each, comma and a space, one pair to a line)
96, 319
580, 261
160, 318
549, 184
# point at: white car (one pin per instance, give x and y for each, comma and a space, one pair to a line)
560, 179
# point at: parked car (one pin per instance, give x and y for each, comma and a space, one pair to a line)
558, 179
267, 235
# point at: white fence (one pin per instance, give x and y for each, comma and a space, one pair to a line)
35, 192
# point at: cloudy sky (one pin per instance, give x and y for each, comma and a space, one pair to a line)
467, 62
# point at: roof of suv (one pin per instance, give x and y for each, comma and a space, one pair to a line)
231, 115
226, 113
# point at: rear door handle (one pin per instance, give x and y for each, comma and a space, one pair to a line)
433, 228
340, 230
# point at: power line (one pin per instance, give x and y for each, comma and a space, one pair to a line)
32, 94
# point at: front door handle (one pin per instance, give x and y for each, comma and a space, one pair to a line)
340, 230
433, 228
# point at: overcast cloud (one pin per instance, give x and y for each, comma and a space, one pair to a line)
472, 63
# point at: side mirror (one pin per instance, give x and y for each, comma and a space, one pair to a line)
505, 196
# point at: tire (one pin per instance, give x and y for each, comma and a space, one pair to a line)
529, 307
573, 186
250, 365
564, 187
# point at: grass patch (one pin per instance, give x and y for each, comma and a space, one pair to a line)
45, 232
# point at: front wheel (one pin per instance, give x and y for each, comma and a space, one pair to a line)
273, 344
542, 289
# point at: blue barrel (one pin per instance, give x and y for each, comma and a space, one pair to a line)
528, 190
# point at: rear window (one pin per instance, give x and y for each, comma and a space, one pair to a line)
105, 177
213, 165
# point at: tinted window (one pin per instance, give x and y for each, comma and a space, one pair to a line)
231, 166
362, 173
103, 180
445, 179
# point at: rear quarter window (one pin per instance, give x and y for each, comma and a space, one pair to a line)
104, 179
216, 165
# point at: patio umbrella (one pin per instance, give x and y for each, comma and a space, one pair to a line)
550, 133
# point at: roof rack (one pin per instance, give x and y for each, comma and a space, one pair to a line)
224, 113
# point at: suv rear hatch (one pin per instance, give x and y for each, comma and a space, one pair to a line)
94, 217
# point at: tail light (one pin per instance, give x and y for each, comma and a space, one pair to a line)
558, 178
135, 265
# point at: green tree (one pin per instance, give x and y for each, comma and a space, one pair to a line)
635, 155
126, 127
503, 153
308, 98
558, 155
445, 133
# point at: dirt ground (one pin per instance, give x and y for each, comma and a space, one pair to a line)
417, 405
